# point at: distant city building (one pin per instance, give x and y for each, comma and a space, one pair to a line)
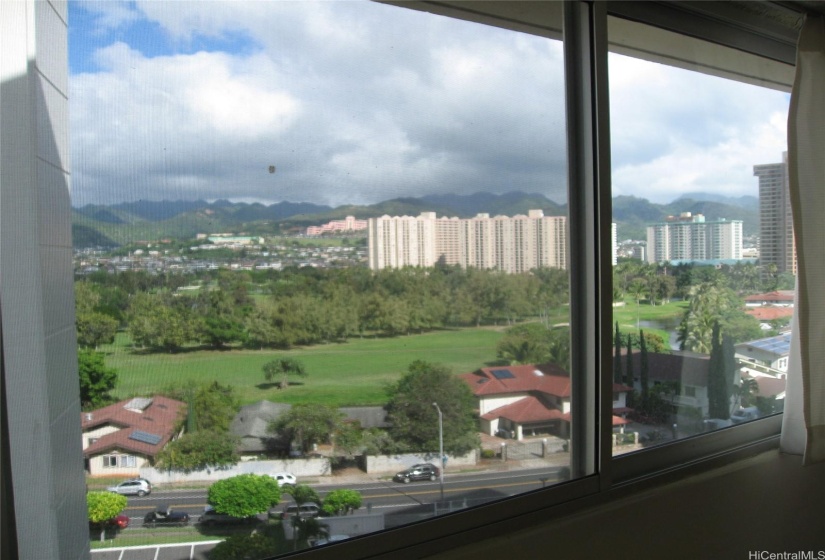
639, 252
689, 237
776, 240
347, 224
510, 244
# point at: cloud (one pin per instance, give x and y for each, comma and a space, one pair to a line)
362, 102
675, 131
394, 103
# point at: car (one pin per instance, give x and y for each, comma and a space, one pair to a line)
422, 471
165, 516
134, 487
117, 522
305, 510
284, 478
745, 415
210, 517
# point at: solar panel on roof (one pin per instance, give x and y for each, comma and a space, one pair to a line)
145, 437
502, 374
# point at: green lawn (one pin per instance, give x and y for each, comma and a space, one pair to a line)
668, 314
351, 373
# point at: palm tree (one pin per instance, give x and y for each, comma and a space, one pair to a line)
637, 290
283, 367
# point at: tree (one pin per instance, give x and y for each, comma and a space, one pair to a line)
525, 344
159, 323
644, 371
199, 451
96, 380
102, 506
718, 384
244, 495
746, 392
414, 419
342, 501
94, 329
617, 356
307, 424
628, 371
303, 494
283, 367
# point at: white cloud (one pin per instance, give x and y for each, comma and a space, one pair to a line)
357, 102
109, 15
675, 131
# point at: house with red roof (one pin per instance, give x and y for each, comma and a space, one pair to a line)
120, 438
524, 400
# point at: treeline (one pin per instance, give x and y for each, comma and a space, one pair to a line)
281, 309
658, 283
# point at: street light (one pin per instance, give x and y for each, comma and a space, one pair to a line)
440, 448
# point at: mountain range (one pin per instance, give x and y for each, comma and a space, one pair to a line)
128, 222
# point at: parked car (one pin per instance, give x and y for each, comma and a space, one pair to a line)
285, 478
308, 509
423, 471
117, 522
135, 487
165, 516
745, 415
211, 517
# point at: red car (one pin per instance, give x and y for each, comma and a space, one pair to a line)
117, 522
120, 521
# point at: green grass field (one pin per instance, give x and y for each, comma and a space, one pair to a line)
667, 314
346, 374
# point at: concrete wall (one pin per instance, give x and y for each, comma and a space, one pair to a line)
36, 293
299, 467
395, 463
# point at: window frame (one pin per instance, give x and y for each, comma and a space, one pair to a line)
602, 477
598, 476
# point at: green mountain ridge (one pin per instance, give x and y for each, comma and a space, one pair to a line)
125, 223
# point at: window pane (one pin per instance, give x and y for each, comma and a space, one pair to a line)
704, 267
326, 243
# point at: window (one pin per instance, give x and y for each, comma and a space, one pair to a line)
588, 217
110, 460
685, 149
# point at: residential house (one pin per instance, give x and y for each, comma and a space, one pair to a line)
517, 401
122, 437
766, 356
686, 370
251, 426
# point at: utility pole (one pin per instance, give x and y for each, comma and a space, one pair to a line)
440, 448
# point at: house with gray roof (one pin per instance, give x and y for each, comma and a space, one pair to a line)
251, 426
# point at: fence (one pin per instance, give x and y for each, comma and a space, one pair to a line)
178, 551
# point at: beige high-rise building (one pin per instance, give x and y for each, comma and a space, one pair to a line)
510, 244
776, 239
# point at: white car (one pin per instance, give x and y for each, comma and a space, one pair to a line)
285, 478
136, 486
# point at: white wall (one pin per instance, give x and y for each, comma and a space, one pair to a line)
395, 463
36, 291
299, 467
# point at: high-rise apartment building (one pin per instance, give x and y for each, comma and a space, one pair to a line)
688, 237
510, 244
776, 239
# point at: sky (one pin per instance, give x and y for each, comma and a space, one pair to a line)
358, 102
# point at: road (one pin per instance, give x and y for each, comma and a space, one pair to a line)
398, 501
